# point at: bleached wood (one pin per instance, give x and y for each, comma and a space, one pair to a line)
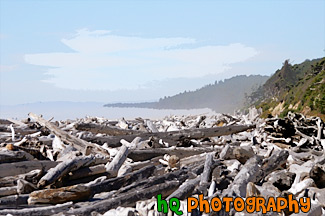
173, 137
205, 178
181, 152
113, 166
6, 191
25, 187
60, 195
82, 145
105, 129
64, 168
12, 169
38, 211
7, 156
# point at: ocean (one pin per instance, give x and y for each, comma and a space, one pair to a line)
74, 110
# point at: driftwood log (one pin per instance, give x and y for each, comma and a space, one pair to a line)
47, 210
12, 169
180, 152
185, 189
14, 156
64, 168
81, 145
13, 201
195, 155
128, 199
118, 182
174, 136
104, 129
60, 195
113, 167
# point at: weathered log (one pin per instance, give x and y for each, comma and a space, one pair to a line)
25, 187
270, 164
118, 182
113, 166
21, 130
253, 172
14, 156
32, 176
185, 189
128, 199
212, 188
192, 160
38, 152
12, 169
319, 129
41, 211
13, 201
180, 175
206, 175
64, 168
6, 191
81, 145
282, 179
300, 186
180, 152
8, 181
109, 130
140, 164
151, 126
173, 137
87, 171
310, 139
242, 154
248, 173
61, 195
17, 122
5, 121
227, 153
317, 173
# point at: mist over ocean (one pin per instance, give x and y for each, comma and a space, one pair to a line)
73, 110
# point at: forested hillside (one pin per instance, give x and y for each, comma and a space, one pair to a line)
223, 96
296, 88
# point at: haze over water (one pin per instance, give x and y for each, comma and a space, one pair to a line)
70, 110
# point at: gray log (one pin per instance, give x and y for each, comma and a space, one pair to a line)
12, 169
79, 144
61, 195
180, 152
25, 187
248, 173
186, 189
87, 171
118, 182
14, 156
128, 199
6, 191
63, 169
173, 137
41, 211
113, 166
207, 169
109, 130
13, 201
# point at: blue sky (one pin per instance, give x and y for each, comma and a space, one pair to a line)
112, 51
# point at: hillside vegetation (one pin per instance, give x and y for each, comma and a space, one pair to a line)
296, 88
223, 96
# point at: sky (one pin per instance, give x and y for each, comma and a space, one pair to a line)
134, 51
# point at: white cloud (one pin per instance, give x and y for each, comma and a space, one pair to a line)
103, 61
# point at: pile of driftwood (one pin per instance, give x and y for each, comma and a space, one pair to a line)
95, 166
